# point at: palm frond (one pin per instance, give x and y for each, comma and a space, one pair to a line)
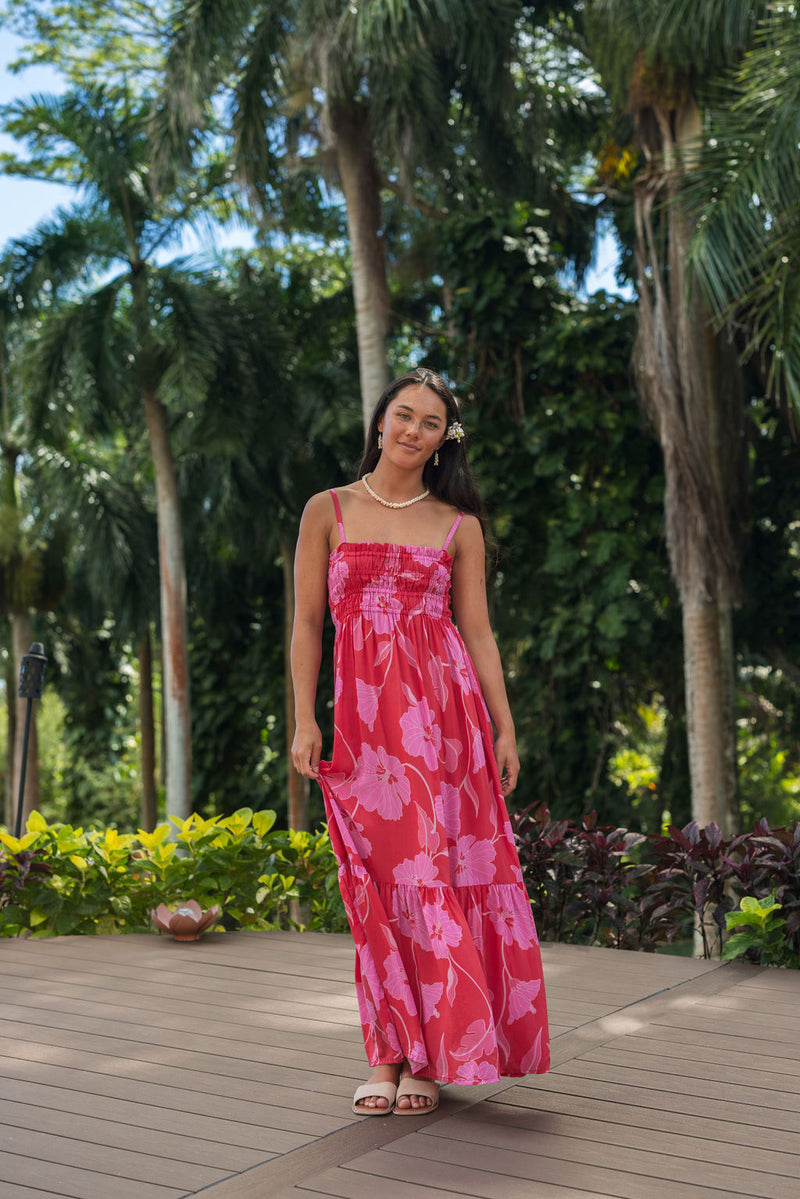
93, 137
82, 338
185, 313
744, 200
206, 44
256, 108
680, 36
115, 556
63, 251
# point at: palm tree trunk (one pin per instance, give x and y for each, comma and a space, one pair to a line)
296, 786
22, 637
733, 815
147, 732
11, 727
705, 711
678, 362
360, 182
174, 627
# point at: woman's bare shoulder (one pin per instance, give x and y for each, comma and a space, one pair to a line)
319, 511
469, 528
468, 538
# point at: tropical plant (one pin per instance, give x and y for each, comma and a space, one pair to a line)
250, 473
58, 879
98, 486
660, 59
593, 885
744, 202
147, 333
759, 933
373, 96
32, 545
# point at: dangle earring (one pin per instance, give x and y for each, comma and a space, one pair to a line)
380, 441
436, 458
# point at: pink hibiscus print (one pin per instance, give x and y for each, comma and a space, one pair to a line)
396, 981
443, 932
411, 923
361, 843
366, 1010
369, 981
511, 925
421, 735
380, 604
380, 783
459, 668
393, 1039
447, 808
367, 702
520, 1000
417, 1054
431, 994
475, 1073
417, 872
337, 575
476, 1041
437, 586
473, 862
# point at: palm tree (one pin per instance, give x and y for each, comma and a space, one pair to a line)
370, 86
143, 333
31, 555
660, 60
113, 563
744, 202
289, 360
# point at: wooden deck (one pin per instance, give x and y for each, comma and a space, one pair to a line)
138, 1068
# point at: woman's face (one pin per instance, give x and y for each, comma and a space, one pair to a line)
414, 425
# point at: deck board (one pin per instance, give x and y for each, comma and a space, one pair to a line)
144, 1069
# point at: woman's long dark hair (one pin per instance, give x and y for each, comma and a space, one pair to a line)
452, 480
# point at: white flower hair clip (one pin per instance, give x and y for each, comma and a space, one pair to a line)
455, 432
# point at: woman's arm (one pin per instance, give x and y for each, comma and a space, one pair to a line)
310, 595
472, 617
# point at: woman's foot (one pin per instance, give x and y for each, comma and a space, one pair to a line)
415, 1096
380, 1101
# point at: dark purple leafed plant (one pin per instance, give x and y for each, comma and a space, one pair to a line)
602, 886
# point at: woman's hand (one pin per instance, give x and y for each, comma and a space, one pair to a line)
307, 749
505, 752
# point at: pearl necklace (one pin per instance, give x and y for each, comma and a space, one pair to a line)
390, 503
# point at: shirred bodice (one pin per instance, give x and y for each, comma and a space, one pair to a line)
388, 583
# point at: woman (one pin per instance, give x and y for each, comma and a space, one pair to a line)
448, 972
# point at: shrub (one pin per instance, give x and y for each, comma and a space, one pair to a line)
593, 886
58, 879
761, 933
587, 885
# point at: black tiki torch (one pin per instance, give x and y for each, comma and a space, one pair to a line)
31, 681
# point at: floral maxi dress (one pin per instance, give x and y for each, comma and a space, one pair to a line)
448, 970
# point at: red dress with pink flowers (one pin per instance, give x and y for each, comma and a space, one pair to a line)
448, 970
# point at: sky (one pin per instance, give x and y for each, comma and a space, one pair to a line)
25, 202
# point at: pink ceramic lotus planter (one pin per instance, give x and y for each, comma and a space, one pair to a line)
187, 922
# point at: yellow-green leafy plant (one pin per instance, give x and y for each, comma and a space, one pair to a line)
58, 879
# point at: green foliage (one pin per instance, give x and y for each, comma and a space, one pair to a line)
583, 606
762, 933
588, 885
58, 879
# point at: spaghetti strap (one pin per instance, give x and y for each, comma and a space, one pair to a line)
339, 515
452, 532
